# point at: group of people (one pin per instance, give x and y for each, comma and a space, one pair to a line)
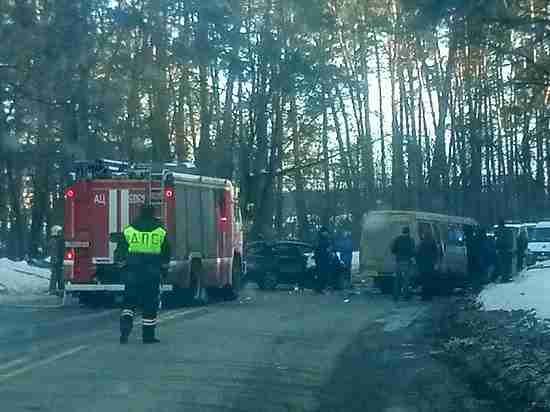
325, 257
489, 258
426, 254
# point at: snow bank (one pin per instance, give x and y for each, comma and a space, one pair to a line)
531, 290
20, 278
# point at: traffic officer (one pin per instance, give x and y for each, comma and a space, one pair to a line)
147, 254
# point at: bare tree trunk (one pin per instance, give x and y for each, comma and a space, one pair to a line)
542, 126
474, 131
326, 173
398, 180
383, 178
366, 144
180, 126
40, 206
298, 178
16, 245
157, 52
460, 127
547, 147
344, 154
261, 192
488, 143
224, 144
278, 136
202, 50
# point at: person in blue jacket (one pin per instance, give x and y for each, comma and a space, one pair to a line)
344, 245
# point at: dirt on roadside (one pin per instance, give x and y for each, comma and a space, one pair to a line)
504, 355
399, 370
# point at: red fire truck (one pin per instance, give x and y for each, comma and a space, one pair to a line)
200, 213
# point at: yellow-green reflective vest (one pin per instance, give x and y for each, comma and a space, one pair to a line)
145, 242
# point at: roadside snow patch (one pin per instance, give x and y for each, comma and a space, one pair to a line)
531, 290
20, 278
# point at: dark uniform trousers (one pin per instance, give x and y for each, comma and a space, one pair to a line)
428, 280
141, 290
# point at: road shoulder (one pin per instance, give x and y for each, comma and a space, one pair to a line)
504, 354
396, 369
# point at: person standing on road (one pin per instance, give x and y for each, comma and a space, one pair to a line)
505, 247
56, 248
323, 259
147, 252
487, 258
427, 255
403, 248
522, 243
344, 245
472, 250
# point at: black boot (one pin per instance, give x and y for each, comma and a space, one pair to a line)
149, 335
126, 323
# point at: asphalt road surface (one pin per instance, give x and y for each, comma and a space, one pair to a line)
269, 351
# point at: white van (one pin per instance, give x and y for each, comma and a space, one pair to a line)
380, 228
539, 242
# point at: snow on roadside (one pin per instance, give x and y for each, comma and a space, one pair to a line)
20, 278
530, 290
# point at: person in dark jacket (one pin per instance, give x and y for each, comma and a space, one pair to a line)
403, 248
505, 251
522, 243
472, 251
56, 248
344, 245
427, 256
147, 252
487, 257
323, 257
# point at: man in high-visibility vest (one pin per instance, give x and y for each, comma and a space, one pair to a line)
147, 253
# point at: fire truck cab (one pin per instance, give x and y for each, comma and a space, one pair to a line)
200, 214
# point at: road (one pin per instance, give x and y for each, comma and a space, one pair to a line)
269, 351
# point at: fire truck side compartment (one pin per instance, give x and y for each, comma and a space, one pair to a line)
196, 229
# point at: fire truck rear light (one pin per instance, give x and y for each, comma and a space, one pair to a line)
70, 193
223, 219
69, 255
168, 193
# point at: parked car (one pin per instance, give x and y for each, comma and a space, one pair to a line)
539, 242
272, 263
